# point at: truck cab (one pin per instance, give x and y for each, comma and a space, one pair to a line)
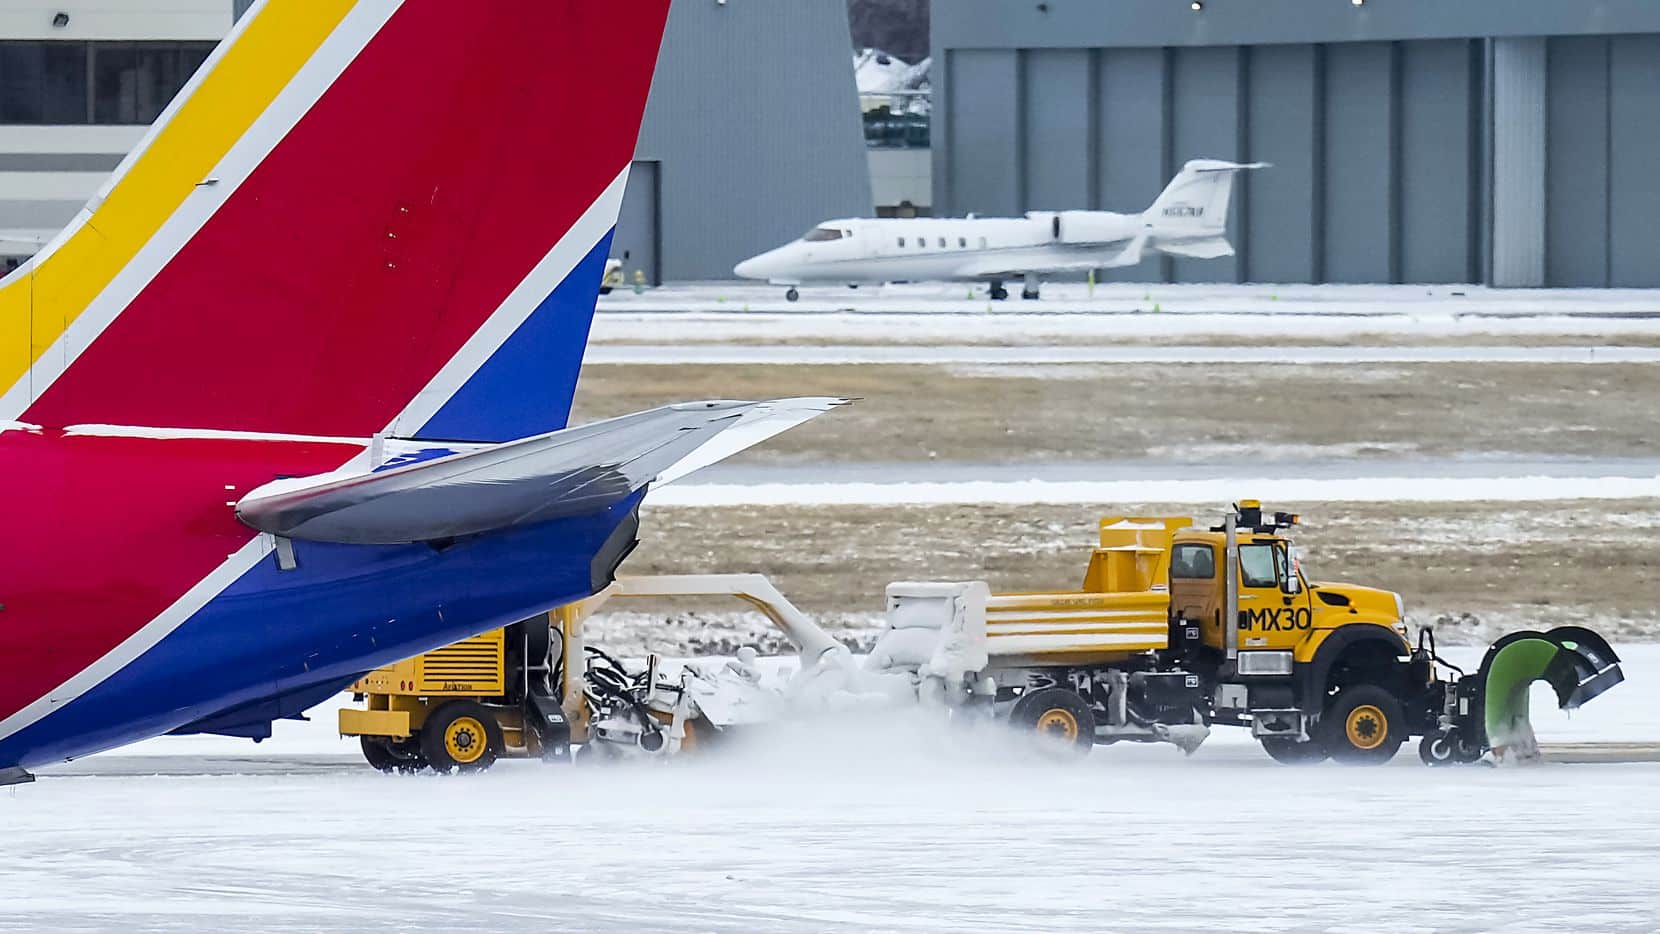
1295, 645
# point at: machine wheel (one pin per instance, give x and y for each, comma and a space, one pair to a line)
1363, 725
1439, 749
390, 755
461, 736
1058, 718
605, 290
595, 753
792, 295
1293, 752
998, 293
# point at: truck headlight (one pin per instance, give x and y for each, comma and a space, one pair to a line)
1264, 663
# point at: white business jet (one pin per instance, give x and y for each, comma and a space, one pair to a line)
1188, 219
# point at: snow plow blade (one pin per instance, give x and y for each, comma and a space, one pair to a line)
1577, 663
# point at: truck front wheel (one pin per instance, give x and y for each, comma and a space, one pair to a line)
1057, 719
1363, 725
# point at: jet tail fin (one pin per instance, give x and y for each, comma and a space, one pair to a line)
1195, 203
358, 217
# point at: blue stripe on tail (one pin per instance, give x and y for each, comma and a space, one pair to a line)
526, 387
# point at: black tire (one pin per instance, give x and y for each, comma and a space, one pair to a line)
999, 294
1363, 725
595, 753
792, 295
1059, 719
605, 290
461, 736
1293, 752
1439, 749
392, 756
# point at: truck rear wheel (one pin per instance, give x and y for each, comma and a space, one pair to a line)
1363, 725
391, 755
1293, 752
1058, 719
461, 736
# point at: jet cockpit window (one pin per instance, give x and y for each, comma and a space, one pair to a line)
821, 234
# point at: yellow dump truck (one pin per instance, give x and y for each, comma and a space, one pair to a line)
1178, 627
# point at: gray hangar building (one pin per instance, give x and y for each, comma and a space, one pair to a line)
1507, 142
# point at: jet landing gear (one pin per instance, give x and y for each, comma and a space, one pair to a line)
793, 295
997, 292
1030, 289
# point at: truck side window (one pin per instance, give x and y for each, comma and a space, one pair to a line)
1193, 562
1256, 566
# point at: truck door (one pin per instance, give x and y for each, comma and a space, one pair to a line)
1273, 613
1195, 593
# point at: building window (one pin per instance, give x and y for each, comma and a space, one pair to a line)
66, 83
134, 82
43, 82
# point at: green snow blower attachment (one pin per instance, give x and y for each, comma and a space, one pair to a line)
1489, 710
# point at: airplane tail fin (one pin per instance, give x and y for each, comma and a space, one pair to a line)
359, 216
1195, 203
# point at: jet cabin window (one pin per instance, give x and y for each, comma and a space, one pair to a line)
821, 234
1193, 562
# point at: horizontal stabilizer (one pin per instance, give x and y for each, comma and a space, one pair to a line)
1203, 248
563, 473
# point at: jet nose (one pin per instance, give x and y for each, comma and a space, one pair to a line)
766, 266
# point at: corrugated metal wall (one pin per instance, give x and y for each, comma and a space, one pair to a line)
1505, 141
754, 119
1602, 186
1375, 148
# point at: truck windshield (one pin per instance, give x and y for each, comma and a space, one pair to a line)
821, 234
1258, 565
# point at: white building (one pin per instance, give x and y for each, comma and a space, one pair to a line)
751, 136
80, 82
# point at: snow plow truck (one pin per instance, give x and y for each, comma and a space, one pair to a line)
1177, 628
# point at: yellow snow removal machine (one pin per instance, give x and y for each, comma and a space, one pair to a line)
1178, 627
513, 692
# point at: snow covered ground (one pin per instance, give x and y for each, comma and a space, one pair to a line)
1119, 298
882, 825
1281, 488
959, 354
